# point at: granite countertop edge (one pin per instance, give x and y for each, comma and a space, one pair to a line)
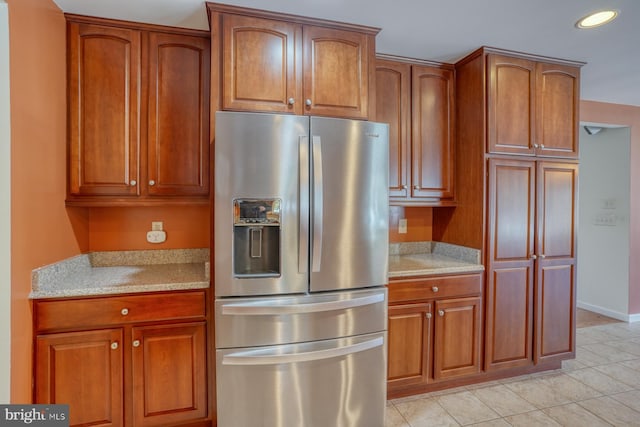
432, 259
122, 272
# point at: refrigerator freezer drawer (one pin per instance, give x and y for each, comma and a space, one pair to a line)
245, 322
339, 382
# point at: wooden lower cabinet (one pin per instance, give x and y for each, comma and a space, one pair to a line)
169, 373
409, 340
457, 338
85, 370
434, 331
132, 373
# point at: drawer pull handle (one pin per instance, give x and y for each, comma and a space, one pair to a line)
114, 345
136, 343
428, 315
124, 311
440, 313
435, 289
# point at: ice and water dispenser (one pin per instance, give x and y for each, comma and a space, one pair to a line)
256, 237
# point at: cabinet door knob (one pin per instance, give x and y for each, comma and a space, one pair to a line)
541, 145
435, 289
416, 187
428, 315
440, 313
404, 187
291, 101
534, 256
136, 343
152, 183
133, 182
308, 102
535, 145
543, 256
124, 311
114, 345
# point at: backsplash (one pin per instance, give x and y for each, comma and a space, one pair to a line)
454, 251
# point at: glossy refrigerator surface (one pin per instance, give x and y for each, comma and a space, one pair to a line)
330, 177
300, 268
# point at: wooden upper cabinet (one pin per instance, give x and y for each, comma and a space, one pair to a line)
281, 63
417, 101
510, 104
558, 96
104, 93
393, 106
138, 113
178, 125
432, 137
261, 65
336, 72
532, 107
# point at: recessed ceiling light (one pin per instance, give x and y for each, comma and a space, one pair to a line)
596, 19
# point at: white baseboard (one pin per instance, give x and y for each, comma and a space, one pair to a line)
629, 318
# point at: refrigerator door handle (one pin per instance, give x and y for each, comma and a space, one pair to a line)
316, 252
273, 357
303, 204
276, 307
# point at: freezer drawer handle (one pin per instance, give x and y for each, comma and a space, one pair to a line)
261, 357
266, 308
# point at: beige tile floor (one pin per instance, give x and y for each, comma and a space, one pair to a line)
600, 387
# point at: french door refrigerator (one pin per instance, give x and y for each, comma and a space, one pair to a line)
300, 268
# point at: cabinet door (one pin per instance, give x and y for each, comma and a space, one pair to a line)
336, 72
169, 373
510, 105
510, 264
432, 137
84, 370
558, 97
556, 269
393, 106
104, 85
456, 338
409, 333
178, 126
262, 65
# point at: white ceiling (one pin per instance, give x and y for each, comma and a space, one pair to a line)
448, 30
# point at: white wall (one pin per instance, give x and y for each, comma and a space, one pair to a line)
603, 222
5, 209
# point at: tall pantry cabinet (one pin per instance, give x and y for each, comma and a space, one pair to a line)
517, 127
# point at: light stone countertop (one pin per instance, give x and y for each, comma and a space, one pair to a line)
431, 258
109, 273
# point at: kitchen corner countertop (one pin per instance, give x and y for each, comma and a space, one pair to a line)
119, 272
431, 258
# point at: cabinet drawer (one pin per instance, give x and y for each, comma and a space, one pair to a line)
435, 287
89, 312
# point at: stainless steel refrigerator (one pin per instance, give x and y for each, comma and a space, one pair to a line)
300, 267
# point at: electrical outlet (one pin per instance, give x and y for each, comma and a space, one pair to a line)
402, 226
156, 236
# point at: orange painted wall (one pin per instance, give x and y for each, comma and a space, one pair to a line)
626, 115
43, 231
126, 228
419, 224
